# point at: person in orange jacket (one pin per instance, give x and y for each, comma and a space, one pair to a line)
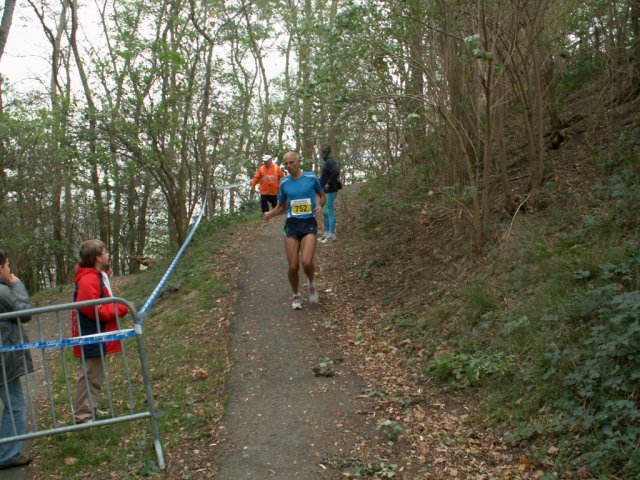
92, 282
268, 177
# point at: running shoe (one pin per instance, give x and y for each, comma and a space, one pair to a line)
101, 413
314, 297
328, 237
20, 461
296, 304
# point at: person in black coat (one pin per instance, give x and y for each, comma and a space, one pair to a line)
330, 181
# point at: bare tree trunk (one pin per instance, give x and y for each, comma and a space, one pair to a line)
60, 174
3, 156
454, 151
103, 217
536, 159
524, 70
501, 157
57, 140
287, 87
414, 94
305, 70
205, 159
551, 81
487, 83
331, 132
635, 46
266, 104
141, 228
132, 226
244, 143
5, 23
116, 223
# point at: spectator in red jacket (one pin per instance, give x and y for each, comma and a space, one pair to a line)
92, 282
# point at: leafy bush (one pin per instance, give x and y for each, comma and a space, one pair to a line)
391, 430
601, 374
470, 369
479, 301
580, 73
367, 470
598, 362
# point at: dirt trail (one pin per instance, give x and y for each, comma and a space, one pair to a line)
281, 421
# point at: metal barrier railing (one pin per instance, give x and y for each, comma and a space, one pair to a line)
126, 395
126, 401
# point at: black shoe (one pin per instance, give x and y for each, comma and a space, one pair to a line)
20, 461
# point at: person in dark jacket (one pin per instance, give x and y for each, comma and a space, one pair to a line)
13, 365
330, 181
92, 282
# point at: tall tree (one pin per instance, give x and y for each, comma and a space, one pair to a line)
305, 66
92, 134
59, 147
5, 23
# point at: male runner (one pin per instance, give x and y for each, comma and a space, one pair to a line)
297, 195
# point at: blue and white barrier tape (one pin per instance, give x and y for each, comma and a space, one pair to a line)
119, 334
229, 186
71, 342
146, 308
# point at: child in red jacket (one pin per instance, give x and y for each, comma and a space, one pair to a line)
92, 282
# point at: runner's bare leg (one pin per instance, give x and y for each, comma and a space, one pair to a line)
308, 247
292, 249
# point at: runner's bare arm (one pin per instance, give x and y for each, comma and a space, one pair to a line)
321, 202
276, 211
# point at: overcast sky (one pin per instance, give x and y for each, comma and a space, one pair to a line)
26, 58
26, 52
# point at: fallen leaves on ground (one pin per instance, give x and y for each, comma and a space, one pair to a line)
439, 438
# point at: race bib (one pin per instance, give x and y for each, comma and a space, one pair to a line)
300, 207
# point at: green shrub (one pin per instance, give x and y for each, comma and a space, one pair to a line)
470, 369
479, 301
391, 430
601, 374
579, 74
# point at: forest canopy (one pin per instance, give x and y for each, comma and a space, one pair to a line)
174, 98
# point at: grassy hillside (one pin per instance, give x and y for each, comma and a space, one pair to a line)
544, 324
186, 344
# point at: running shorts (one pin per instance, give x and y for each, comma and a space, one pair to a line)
299, 228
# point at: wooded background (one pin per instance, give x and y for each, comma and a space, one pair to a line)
178, 96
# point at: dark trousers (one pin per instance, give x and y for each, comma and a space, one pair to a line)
265, 200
